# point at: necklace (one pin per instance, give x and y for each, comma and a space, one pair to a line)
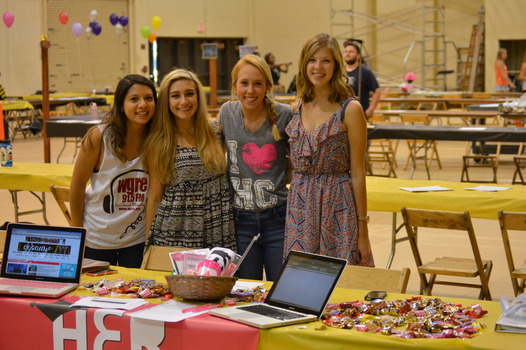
310, 120
254, 125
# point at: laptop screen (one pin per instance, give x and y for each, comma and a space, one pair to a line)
49, 253
306, 282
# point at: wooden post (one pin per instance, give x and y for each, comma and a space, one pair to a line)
212, 64
212, 67
2, 131
44, 46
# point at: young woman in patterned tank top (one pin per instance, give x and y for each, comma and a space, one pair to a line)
189, 204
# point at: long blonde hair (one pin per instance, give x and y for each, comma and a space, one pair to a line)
161, 148
263, 67
340, 89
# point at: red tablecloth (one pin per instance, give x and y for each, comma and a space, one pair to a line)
34, 323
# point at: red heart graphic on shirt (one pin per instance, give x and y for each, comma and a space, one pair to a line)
259, 159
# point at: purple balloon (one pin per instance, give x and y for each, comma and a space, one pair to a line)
96, 28
77, 29
92, 24
114, 19
123, 21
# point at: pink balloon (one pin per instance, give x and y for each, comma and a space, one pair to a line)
9, 19
76, 28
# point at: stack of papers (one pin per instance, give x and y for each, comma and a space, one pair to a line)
172, 311
488, 188
513, 318
89, 265
425, 189
109, 303
440, 188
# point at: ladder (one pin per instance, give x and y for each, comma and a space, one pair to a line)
473, 66
434, 55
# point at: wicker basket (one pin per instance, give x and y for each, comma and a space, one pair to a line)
195, 287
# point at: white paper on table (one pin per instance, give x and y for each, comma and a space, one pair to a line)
170, 311
426, 189
109, 303
488, 188
472, 128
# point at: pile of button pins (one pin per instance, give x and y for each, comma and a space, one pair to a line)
137, 288
423, 318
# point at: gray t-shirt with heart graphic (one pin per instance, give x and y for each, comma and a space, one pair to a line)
257, 164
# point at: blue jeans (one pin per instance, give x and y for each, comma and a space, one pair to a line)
267, 251
126, 257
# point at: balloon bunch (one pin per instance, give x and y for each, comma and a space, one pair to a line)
118, 22
94, 26
8, 18
146, 32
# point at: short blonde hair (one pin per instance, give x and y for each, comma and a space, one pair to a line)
500, 52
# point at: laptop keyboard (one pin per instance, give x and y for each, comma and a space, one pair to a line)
264, 310
34, 284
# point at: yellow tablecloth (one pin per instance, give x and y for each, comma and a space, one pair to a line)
292, 338
16, 105
58, 95
34, 176
384, 194
109, 98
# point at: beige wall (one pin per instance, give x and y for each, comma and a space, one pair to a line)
274, 26
20, 64
279, 26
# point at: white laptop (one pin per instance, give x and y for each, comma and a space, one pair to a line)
41, 261
299, 294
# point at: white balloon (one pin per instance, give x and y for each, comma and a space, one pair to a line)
89, 32
93, 15
119, 29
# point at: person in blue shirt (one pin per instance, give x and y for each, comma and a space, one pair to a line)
361, 78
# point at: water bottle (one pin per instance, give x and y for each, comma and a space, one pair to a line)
6, 153
94, 111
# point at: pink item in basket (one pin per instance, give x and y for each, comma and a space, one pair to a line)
216, 262
229, 271
208, 268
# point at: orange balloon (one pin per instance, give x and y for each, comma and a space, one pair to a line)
152, 37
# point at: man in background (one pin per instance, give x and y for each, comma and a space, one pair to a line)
361, 78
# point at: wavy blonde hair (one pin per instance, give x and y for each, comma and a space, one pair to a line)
263, 67
340, 89
161, 148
